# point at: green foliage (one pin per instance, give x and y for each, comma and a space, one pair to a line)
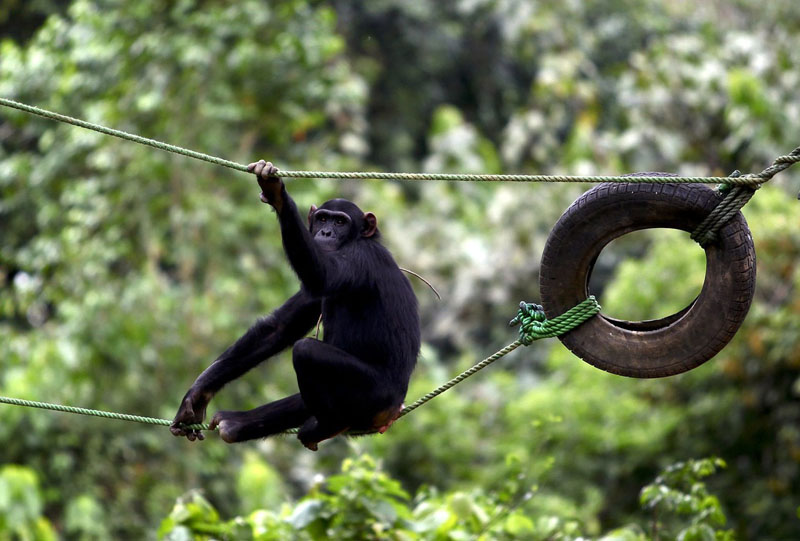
84, 518
358, 504
680, 492
194, 517
362, 502
21, 506
671, 279
258, 484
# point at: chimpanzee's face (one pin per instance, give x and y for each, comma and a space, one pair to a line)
331, 229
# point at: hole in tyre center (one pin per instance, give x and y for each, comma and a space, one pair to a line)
647, 276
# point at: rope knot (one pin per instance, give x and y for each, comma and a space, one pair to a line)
733, 199
534, 325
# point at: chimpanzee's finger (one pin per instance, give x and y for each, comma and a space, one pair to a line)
268, 172
259, 167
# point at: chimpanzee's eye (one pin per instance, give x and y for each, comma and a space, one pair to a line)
340, 221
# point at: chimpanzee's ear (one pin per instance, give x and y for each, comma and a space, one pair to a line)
370, 225
311, 212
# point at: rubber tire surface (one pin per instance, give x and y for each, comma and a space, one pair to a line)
656, 348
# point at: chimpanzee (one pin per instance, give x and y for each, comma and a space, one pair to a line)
357, 376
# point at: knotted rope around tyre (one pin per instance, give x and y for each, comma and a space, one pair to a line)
530, 317
534, 325
736, 197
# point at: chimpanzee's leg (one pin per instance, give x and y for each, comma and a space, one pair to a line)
340, 391
263, 421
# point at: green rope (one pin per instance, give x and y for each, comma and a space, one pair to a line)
95, 413
121, 134
461, 377
533, 326
736, 197
752, 181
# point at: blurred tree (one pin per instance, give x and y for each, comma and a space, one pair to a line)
21, 506
118, 264
19, 19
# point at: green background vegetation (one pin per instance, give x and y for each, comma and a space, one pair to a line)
124, 271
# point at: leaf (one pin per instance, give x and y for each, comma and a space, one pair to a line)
179, 533
697, 532
630, 533
305, 513
518, 524
383, 511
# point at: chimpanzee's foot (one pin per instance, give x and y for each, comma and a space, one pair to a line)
310, 445
386, 418
312, 432
236, 426
229, 425
262, 421
314, 445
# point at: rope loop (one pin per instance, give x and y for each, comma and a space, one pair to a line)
534, 325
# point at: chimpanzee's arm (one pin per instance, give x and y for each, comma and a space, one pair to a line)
315, 268
320, 271
264, 339
267, 337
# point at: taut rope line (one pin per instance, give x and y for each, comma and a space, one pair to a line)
95, 413
753, 181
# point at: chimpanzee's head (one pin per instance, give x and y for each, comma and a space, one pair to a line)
338, 222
